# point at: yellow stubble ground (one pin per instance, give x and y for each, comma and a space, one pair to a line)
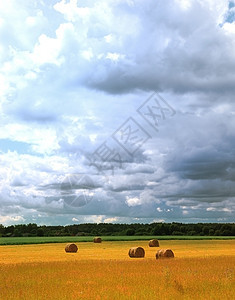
200, 270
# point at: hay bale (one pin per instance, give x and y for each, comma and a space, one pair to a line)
164, 253
71, 248
97, 240
153, 243
136, 252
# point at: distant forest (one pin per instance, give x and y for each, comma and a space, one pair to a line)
202, 229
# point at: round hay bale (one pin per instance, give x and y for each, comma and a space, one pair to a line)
153, 243
136, 252
71, 248
164, 253
97, 240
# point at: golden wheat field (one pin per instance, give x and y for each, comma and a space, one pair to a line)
200, 270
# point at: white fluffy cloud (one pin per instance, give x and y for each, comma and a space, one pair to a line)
72, 72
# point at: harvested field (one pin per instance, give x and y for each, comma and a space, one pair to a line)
107, 272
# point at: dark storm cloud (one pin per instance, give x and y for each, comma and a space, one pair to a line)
172, 49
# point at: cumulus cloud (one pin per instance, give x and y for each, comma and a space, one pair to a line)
8, 220
71, 76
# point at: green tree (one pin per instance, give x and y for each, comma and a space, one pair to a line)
205, 230
130, 231
40, 232
217, 233
211, 232
1, 230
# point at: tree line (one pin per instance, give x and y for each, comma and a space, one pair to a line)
202, 229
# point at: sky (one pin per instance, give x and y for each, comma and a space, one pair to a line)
117, 111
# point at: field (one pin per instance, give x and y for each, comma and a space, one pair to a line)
67, 239
201, 269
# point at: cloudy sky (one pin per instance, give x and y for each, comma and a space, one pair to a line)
117, 111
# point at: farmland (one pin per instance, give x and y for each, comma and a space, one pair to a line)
66, 239
201, 269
